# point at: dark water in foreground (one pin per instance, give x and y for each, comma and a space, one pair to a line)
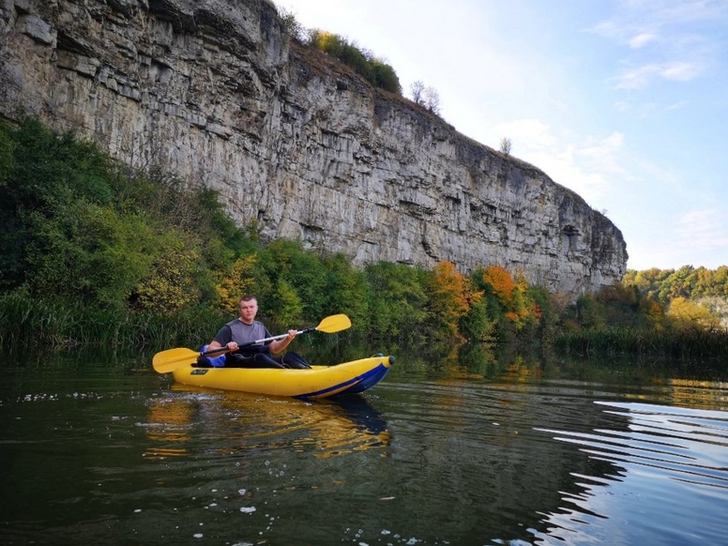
92, 456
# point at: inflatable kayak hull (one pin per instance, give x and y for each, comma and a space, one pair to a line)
318, 382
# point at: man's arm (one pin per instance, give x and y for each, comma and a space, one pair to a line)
279, 345
223, 339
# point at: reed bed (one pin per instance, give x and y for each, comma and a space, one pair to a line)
28, 324
680, 343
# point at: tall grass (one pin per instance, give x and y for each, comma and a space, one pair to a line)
33, 325
678, 343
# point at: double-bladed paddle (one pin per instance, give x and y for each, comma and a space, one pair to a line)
172, 359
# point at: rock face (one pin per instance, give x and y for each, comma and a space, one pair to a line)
215, 92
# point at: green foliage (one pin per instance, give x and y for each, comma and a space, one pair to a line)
627, 319
29, 324
377, 72
287, 302
303, 273
384, 77
689, 314
684, 344
397, 300
290, 23
235, 283
346, 291
687, 282
171, 282
293, 284
90, 254
7, 146
511, 304
77, 231
705, 287
74, 227
477, 325
364, 63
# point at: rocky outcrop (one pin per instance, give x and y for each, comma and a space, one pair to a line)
215, 92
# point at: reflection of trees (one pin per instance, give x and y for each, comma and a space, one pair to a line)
709, 395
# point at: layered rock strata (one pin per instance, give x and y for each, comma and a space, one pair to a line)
215, 92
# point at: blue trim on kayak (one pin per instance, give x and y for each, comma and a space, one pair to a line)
368, 380
355, 385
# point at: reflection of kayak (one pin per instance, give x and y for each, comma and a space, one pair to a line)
323, 428
318, 382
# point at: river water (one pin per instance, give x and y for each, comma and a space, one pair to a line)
525, 454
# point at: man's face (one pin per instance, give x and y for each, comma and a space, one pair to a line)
248, 309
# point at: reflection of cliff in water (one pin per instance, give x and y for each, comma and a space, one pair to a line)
191, 419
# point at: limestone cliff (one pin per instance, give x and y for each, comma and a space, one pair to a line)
215, 91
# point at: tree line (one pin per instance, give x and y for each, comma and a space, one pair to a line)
92, 252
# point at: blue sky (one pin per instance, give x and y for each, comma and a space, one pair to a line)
623, 101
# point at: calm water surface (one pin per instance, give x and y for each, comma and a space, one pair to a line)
523, 456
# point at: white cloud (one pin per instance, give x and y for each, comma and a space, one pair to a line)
668, 40
636, 78
704, 229
641, 39
589, 166
680, 71
534, 134
678, 105
641, 77
603, 155
698, 237
637, 22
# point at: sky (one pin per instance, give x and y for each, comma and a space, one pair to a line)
623, 101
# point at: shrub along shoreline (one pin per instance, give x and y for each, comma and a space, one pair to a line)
94, 253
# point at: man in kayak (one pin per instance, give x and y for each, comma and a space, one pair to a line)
237, 335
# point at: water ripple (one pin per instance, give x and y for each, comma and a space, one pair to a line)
656, 446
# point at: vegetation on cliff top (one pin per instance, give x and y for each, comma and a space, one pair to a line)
375, 70
94, 253
365, 63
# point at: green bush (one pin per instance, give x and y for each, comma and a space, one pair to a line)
377, 72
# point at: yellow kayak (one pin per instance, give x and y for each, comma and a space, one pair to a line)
318, 382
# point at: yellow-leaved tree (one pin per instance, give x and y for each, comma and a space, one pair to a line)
688, 313
171, 284
236, 283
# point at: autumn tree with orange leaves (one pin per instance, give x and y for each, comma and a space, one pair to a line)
452, 296
511, 297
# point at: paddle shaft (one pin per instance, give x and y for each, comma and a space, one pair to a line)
223, 350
